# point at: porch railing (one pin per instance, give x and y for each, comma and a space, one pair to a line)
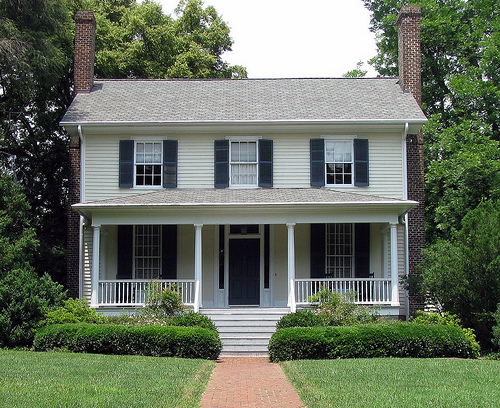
133, 292
369, 291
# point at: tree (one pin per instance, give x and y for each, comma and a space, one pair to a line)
461, 97
18, 242
35, 38
357, 72
36, 82
462, 275
139, 41
24, 297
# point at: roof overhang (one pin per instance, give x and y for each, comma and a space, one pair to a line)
259, 206
216, 126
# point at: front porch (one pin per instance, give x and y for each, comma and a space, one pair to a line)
223, 253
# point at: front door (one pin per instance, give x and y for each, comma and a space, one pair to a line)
244, 271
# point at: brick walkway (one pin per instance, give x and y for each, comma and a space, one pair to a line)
249, 382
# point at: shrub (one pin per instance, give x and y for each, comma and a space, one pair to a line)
193, 319
73, 311
447, 319
330, 309
397, 339
336, 309
301, 318
163, 302
161, 341
24, 300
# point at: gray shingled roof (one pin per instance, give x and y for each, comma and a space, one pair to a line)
313, 99
227, 196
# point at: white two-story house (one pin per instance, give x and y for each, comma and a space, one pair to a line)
251, 193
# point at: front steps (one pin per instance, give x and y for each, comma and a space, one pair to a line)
245, 331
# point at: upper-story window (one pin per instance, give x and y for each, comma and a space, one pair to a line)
148, 163
243, 164
338, 162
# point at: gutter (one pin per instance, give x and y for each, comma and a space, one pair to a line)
405, 218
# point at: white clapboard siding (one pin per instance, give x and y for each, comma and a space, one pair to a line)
291, 163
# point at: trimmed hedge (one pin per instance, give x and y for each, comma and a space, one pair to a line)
161, 341
398, 339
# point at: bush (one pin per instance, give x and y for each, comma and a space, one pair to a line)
337, 309
301, 318
25, 298
161, 341
163, 302
193, 319
73, 311
447, 319
330, 309
397, 339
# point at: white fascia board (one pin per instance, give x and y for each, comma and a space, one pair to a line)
262, 213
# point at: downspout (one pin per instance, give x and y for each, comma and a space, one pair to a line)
82, 220
405, 220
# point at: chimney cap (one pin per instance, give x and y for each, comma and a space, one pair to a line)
407, 11
84, 15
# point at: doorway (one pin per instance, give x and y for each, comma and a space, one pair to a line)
244, 272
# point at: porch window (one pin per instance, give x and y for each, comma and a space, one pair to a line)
339, 251
243, 164
148, 164
147, 251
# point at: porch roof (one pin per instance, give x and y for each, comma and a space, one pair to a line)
238, 205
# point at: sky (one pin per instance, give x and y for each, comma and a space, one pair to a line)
295, 38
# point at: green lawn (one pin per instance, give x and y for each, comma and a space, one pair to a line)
35, 379
395, 382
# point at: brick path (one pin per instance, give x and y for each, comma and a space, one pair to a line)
249, 382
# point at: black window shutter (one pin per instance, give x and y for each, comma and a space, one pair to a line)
126, 170
170, 163
318, 250
361, 162
265, 163
362, 250
221, 163
169, 252
125, 251
317, 147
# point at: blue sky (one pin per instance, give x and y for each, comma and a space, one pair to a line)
295, 39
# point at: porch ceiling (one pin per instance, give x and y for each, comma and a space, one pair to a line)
241, 206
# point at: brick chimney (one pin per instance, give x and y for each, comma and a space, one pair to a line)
84, 80
409, 55
84, 51
410, 75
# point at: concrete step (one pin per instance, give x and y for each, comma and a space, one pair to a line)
245, 331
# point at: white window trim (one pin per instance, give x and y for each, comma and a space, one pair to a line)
143, 139
244, 139
340, 138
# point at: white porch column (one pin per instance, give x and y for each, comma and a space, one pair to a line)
394, 266
197, 266
291, 266
94, 298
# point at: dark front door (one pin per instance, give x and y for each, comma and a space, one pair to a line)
244, 271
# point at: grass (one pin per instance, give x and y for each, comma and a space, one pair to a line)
56, 379
395, 382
